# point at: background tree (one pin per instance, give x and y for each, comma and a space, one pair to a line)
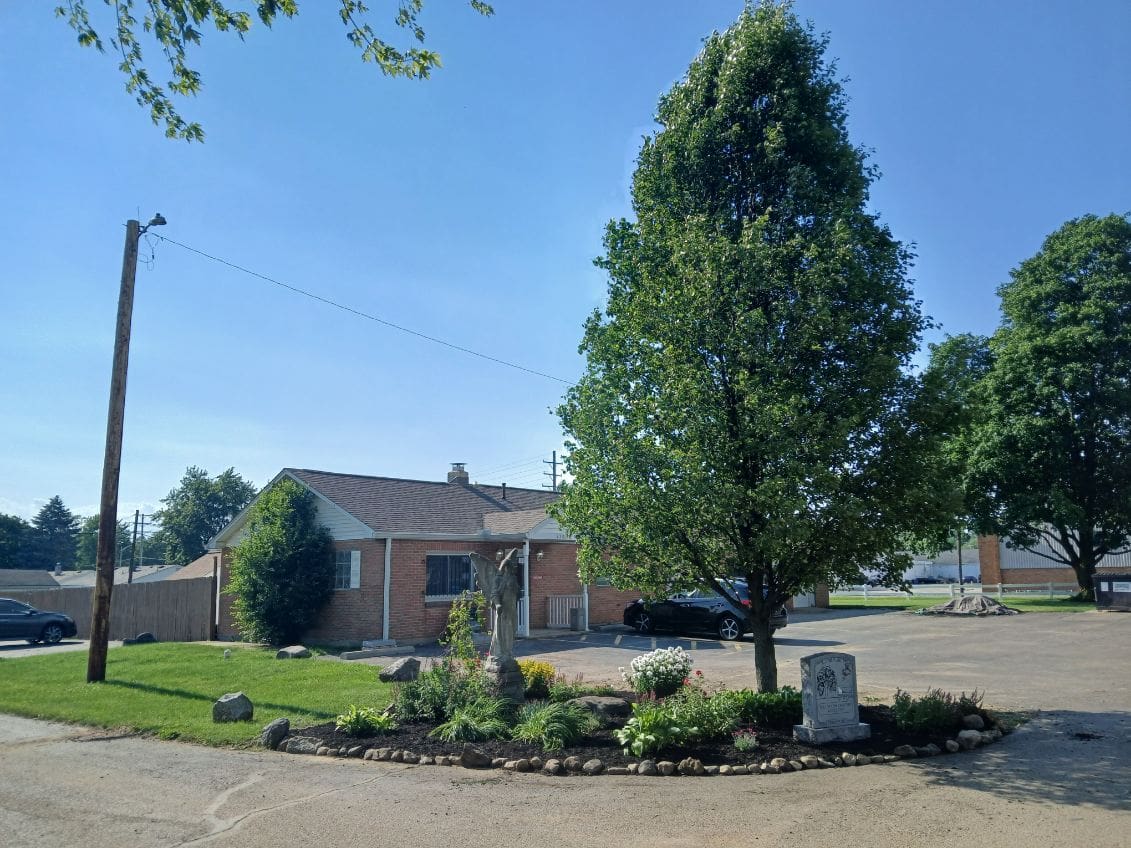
54, 530
747, 408
1052, 455
15, 537
86, 549
199, 508
175, 26
283, 572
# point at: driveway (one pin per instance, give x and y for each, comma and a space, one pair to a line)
1062, 780
14, 650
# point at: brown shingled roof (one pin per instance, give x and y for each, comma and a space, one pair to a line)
391, 505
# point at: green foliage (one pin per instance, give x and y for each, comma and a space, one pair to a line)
553, 726
781, 709
86, 548
15, 534
935, 712
364, 721
485, 718
651, 728
199, 508
175, 26
283, 572
439, 692
537, 676
1051, 447
54, 531
458, 635
745, 740
747, 407
713, 715
562, 690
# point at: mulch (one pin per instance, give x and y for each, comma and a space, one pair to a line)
603, 746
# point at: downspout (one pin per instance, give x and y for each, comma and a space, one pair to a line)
385, 589
585, 606
526, 588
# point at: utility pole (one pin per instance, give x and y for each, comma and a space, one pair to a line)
112, 459
133, 549
553, 472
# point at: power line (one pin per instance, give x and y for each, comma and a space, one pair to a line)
361, 314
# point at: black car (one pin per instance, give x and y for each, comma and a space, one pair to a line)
699, 611
20, 621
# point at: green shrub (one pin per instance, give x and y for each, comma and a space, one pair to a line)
483, 719
458, 635
935, 712
651, 728
780, 709
537, 677
437, 693
661, 672
364, 721
566, 690
553, 726
713, 715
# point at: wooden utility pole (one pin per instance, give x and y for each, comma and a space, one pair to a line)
112, 460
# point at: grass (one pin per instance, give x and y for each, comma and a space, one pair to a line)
915, 602
168, 689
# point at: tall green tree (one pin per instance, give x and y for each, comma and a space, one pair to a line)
1052, 456
175, 26
54, 532
283, 572
199, 508
86, 551
15, 537
747, 408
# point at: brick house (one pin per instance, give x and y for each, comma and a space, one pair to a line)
401, 550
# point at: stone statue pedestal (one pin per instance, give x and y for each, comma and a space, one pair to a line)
507, 677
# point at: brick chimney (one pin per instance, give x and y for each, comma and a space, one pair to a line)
459, 474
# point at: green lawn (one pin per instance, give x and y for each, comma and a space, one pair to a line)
168, 689
916, 602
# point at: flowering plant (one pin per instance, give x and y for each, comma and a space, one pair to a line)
661, 672
745, 740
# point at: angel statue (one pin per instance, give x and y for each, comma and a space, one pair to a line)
499, 584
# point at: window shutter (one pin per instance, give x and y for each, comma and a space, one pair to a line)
355, 569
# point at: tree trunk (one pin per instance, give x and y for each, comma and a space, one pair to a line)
1085, 564
765, 658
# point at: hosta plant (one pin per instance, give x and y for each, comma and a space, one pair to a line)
651, 728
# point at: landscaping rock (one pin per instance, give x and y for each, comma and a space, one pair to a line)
973, 722
593, 766
428, 760
292, 652
809, 761
274, 733
823, 763
608, 710
725, 770
302, 745
633, 768
890, 758
737, 770
929, 750
234, 706
572, 763
778, 762
795, 765
769, 768
384, 754
472, 757
952, 746
145, 638
411, 758
552, 767
397, 757
906, 751
497, 762
371, 754
616, 770
690, 766
522, 765
666, 768
535, 763
443, 760
400, 671
510, 765
323, 751
969, 739
710, 771
848, 759
647, 768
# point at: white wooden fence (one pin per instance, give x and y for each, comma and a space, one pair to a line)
953, 590
558, 607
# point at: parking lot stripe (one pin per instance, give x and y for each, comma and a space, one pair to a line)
617, 640
694, 644
653, 643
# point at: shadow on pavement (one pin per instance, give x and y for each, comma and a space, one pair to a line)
785, 640
24, 645
1071, 758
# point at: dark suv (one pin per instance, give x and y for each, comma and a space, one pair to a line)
699, 611
20, 621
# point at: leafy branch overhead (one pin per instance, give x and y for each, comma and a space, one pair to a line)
176, 25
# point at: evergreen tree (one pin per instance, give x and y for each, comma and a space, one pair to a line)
55, 529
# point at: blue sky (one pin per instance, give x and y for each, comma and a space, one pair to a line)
468, 207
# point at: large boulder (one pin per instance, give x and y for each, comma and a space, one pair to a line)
234, 706
401, 671
969, 739
293, 652
607, 710
274, 733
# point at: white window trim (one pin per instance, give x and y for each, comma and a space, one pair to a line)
446, 599
355, 571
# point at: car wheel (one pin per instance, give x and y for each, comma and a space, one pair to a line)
51, 634
729, 628
643, 623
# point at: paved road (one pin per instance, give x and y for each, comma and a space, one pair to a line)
1063, 780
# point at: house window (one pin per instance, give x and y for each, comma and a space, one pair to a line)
449, 575
347, 569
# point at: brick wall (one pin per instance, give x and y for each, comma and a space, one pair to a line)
606, 604
989, 558
989, 552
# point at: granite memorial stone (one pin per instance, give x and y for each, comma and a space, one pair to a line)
831, 711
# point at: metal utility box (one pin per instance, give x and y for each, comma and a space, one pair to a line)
575, 618
1113, 591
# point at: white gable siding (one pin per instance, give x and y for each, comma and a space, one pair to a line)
549, 530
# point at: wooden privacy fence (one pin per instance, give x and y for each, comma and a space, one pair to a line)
172, 610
